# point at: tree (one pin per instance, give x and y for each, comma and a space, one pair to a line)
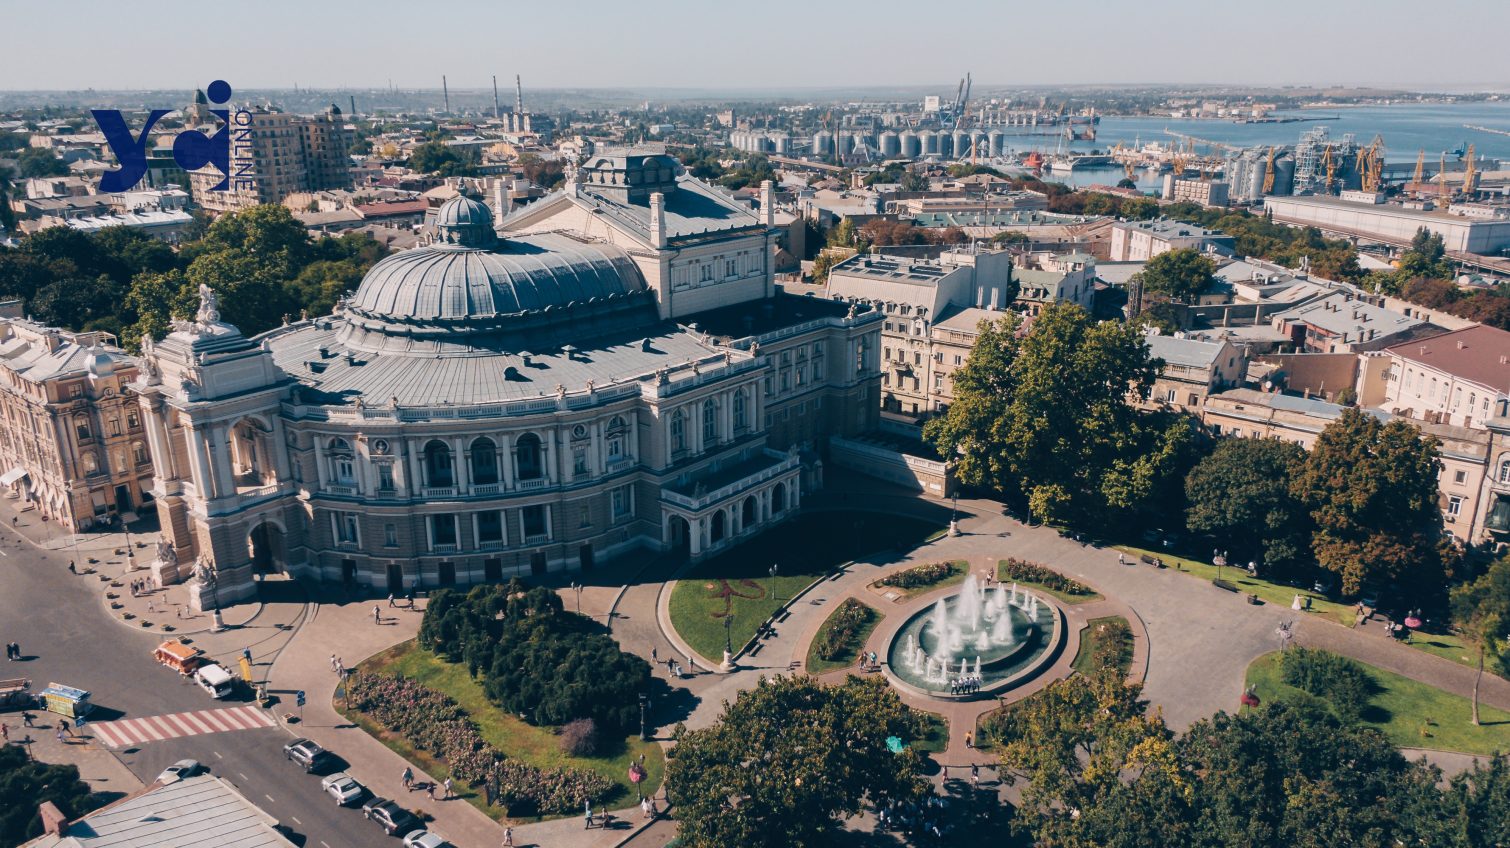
441, 159
1481, 612
25, 785
1426, 257
1371, 489
1240, 493
972, 432
155, 300
1182, 274
1127, 182
40, 162
788, 758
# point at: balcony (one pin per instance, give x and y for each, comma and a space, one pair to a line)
340, 489
438, 491
537, 539
438, 548
710, 488
537, 483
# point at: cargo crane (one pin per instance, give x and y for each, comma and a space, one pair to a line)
1416, 181
1269, 174
1331, 167
962, 101
1371, 165
1470, 174
1442, 193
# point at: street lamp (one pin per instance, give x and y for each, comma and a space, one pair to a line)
577, 587
954, 517
644, 703
728, 635
1218, 559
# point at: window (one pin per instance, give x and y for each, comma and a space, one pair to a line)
678, 432
113, 426
1169, 396
390, 535
490, 528
730, 269
81, 428
385, 477
710, 423
958, 360
579, 460
342, 468
527, 457
786, 381
535, 521
1504, 476
139, 452
707, 274
1454, 505
346, 528
621, 502
484, 462
133, 420
438, 470
801, 375
443, 529
1460, 477
739, 411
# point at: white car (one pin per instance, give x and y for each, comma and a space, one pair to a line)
342, 787
425, 839
179, 771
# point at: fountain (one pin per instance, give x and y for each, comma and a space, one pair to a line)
976, 635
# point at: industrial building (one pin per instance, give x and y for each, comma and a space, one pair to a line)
1390, 224
1202, 191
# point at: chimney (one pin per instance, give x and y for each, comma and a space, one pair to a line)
767, 203
500, 199
657, 220
54, 823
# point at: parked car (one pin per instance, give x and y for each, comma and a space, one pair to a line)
306, 753
425, 839
179, 770
342, 787
394, 819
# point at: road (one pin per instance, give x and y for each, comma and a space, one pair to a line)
61, 625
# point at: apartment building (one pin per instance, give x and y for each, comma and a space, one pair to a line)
280, 154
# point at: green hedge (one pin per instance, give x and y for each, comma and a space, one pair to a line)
1346, 684
920, 575
1023, 571
844, 628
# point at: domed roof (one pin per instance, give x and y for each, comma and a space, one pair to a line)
464, 221
445, 283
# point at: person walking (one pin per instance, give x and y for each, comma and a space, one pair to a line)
377, 614
447, 787
969, 740
653, 658
645, 807
60, 735
4, 732
26, 719
508, 837
332, 662
63, 726
975, 775
408, 779
72, 568
390, 600
430, 790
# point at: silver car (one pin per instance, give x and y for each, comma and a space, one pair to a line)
425, 839
179, 771
343, 787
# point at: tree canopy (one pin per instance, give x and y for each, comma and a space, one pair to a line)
1240, 493
788, 758
40, 162
1182, 274
441, 159
25, 784
1481, 612
1371, 489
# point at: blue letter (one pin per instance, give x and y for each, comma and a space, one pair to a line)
130, 152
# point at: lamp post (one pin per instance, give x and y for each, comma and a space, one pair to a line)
954, 517
728, 664
577, 587
644, 704
1219, 559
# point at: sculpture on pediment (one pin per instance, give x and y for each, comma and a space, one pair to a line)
209, 306
166, 553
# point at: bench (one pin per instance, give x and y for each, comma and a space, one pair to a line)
755, 651
1148, 560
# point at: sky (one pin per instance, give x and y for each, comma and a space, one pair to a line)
724, 45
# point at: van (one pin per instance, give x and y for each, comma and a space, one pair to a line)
215, 679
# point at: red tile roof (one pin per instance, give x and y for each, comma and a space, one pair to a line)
1478, 354
392, 207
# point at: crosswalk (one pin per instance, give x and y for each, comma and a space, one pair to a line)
136, 731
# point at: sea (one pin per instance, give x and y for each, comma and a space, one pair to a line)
1406, 130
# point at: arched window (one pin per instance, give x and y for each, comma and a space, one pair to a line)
438, 468
527, 457
739, 411
91, 464
81, 428
1505, 470
710, 423
342, 467
484, 461
678, 431
615, 442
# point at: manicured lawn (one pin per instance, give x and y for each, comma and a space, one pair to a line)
1445, 645
737, 584
958, 568
1090, 639
537, 746
936, 738
1410, 713
818, 665
1039, 587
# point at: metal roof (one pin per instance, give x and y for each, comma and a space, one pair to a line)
197, 812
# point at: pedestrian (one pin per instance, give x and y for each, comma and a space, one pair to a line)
1121, 560
975, 775
430, 790
508, 837
969, 740
411, 599
72, 569
447, 787
377, 613
332, 662
26, 720
340, 667
653, 658
63, 726
645, 807
408, 778
390, 600
60, 736
4, 732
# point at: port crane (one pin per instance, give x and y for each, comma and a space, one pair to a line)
1470, 174
1269, 173
1420, 174
1371, 165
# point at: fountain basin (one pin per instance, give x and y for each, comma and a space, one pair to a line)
972, 636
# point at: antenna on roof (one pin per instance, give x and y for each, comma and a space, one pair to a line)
496, 112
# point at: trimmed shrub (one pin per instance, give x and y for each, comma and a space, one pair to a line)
1345, 684
1114, 645
579, 738
844, 627
1031, 572
920, 575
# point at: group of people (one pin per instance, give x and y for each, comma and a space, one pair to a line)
338, 665
964, 685
919, 819
13, 651
408, 779
142, 586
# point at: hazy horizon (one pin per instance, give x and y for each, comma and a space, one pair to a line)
777, 46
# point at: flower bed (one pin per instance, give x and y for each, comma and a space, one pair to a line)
920, 575
435, 723
844, 627
1023, 571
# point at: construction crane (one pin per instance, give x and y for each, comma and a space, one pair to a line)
1442, 192
1416, 181
962, 103
1371, 165
1470, 174
1269, 173
1331, 167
